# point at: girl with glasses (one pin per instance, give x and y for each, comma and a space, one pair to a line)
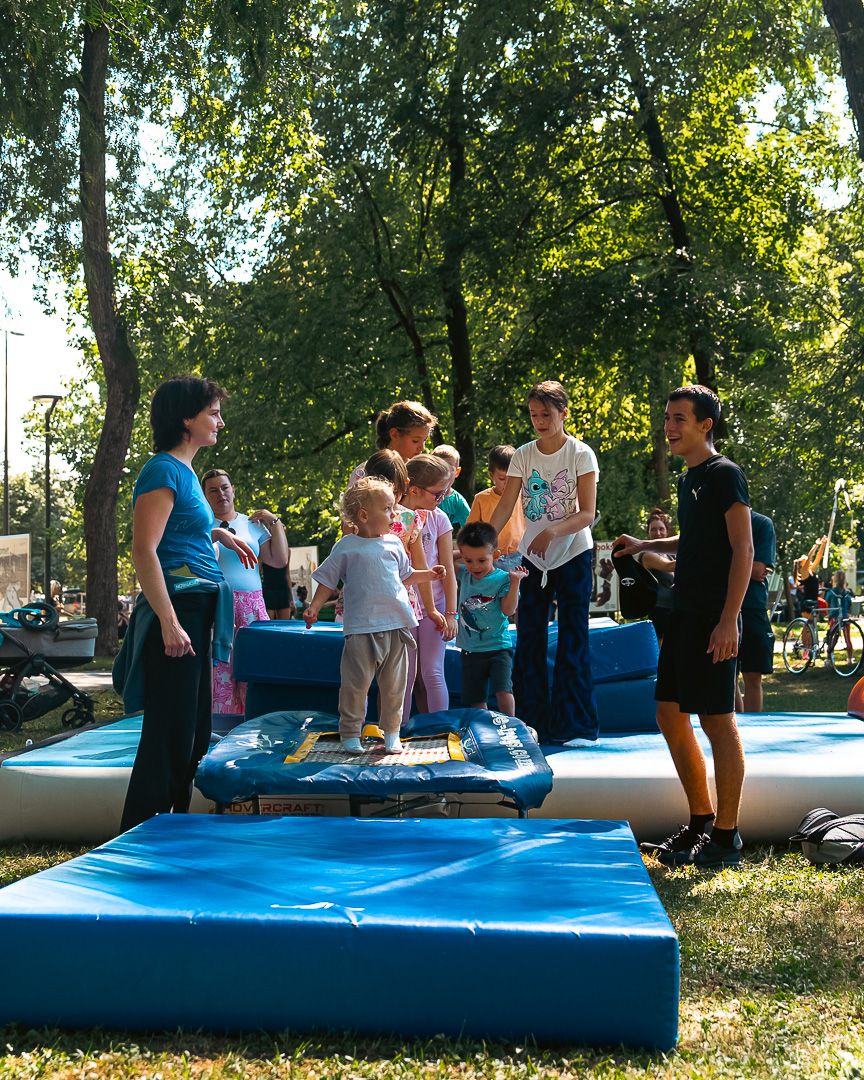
428, 484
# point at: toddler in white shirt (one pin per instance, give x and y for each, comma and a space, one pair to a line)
374, 569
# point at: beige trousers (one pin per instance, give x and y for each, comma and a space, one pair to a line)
367, 656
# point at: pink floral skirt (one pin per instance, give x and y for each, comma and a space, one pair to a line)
230, 696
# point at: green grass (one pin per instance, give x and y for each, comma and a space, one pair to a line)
772, 959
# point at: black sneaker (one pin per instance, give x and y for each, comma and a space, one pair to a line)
706, 854
682, 840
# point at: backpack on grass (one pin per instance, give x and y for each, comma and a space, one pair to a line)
826, 838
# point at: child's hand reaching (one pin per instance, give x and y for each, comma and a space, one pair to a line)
517, 572
439, 572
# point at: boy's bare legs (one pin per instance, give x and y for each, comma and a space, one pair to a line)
728, 754
753, 698
506, 703
687, 756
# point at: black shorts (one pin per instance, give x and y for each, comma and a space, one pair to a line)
756, 653
480, 669
274, 586
686, 672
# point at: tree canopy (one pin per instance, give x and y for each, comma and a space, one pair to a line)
357, 203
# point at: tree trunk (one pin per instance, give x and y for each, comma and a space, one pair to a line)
456, 309
118, 360
847, 21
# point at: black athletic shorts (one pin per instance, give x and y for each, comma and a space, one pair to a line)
274, 586
756, 652
480, 669
686, 672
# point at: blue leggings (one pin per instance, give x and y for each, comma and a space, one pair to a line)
571, 712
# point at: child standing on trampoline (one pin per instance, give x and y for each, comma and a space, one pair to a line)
375, 571
556, 478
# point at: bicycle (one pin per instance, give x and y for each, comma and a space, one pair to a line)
844, 645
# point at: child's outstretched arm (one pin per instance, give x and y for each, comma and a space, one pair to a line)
322, 595
504, 510
418, 561
437, 573
510, 600
445, 554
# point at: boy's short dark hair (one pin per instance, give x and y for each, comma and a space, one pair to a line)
706, 404
500, 457
477, 534
176, 400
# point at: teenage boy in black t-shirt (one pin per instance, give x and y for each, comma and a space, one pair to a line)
696, 670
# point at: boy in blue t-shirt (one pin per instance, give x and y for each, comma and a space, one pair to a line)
487, 598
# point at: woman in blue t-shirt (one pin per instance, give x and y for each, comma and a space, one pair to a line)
172, 549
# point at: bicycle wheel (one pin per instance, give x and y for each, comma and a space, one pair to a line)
846, 648
798, 646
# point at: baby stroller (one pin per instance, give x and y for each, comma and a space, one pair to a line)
33, 641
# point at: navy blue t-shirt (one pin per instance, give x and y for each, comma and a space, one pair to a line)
765, 551
705, 493
186, 541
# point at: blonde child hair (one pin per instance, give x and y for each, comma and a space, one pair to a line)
363, 496
388, 465
426, 469
449, 453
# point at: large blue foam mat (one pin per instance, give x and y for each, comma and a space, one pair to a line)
485, 928
298, 753
289, 667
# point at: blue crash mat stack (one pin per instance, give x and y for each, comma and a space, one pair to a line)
289, 667
492, 928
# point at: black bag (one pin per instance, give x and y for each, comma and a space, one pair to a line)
826, 838
637, 586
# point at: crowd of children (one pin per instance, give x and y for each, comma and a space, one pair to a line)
530, 528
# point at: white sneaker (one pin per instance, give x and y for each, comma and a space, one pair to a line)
351, 746
393, 744
577, 743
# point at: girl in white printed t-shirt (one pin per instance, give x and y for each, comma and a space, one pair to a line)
555, 476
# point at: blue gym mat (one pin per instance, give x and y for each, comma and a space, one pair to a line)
289, 667
484, 928
298, 753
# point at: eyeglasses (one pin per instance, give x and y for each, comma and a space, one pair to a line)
437, 495
226, 525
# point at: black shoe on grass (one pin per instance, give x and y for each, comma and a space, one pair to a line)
706, 854
682, 840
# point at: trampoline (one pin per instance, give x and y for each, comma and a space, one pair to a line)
296, 756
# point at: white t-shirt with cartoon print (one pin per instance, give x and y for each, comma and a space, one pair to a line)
550, 493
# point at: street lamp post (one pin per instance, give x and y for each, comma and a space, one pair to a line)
51, 401
15, 333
